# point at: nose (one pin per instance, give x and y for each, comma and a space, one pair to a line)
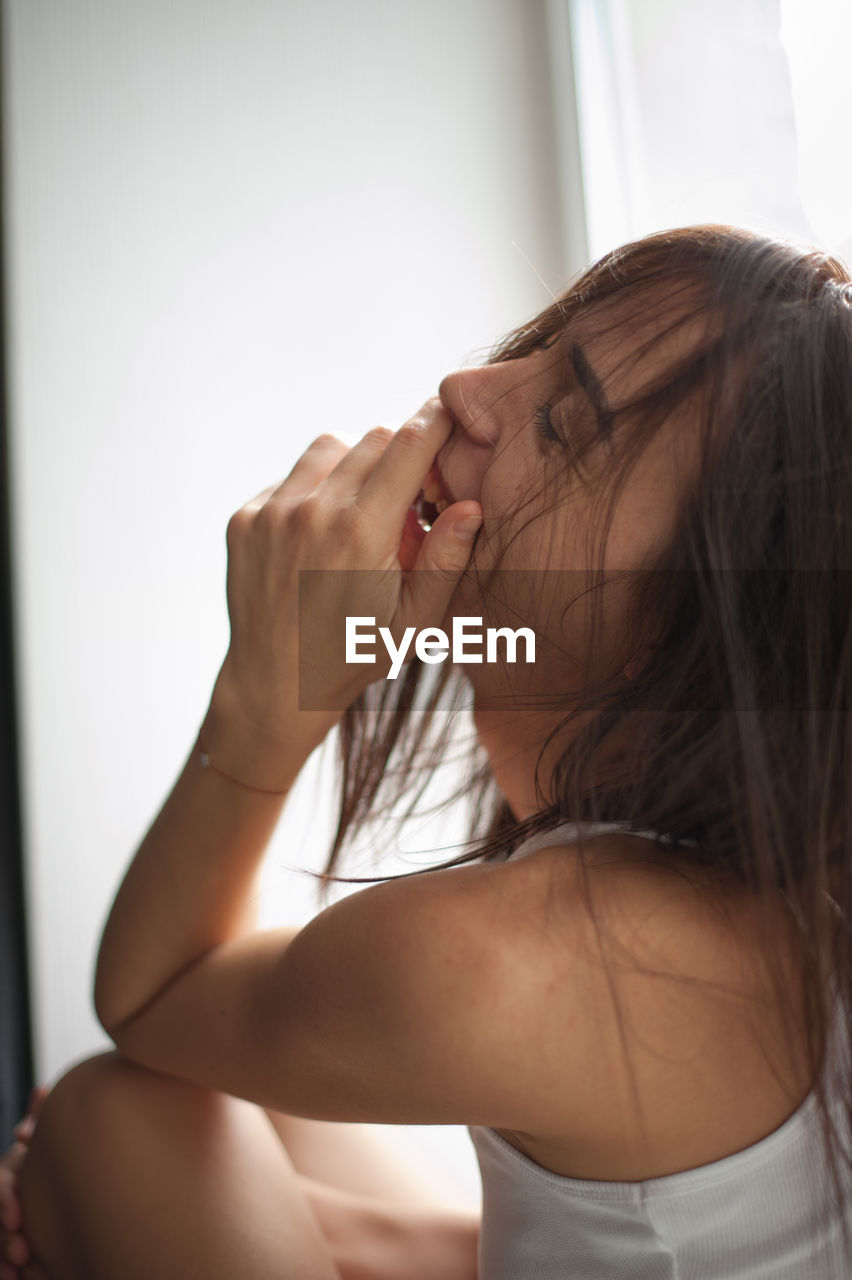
469, 394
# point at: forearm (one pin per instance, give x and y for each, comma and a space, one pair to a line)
192, 881
342, 510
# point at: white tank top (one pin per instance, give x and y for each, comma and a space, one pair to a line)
765, 1213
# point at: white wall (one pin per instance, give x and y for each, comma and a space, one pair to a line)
231, 225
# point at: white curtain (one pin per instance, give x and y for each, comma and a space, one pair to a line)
734, 112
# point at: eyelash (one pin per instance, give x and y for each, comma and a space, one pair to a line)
543, 423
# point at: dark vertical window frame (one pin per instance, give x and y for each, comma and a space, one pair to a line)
16, 1053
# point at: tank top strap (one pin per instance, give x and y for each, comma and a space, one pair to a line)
567, 832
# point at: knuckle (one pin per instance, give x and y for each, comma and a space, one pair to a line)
442, 577
326, 441
379, 435
266, 517
351, 524
411, 435
238, 522
306, 515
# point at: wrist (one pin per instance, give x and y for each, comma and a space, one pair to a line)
251, 750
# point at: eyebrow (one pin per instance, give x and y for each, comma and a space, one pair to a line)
588, 380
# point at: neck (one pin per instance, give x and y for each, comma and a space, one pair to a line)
515, 740
513, 743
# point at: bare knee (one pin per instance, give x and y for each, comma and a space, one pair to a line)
127, 1167
60, 1159
70, 1116
98, 1109
76, 1115
108, 1089
83, 1155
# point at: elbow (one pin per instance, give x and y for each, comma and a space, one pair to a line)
100, 997
109, 1023
115, 1026
110, 999
107, 1010
101, 1005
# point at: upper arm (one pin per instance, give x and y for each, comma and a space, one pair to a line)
492, 994
406, 1002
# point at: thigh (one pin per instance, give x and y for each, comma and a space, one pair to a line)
135, 1174
379, 1161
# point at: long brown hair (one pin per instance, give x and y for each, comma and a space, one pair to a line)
739, 718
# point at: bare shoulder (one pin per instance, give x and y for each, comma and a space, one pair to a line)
553, 989
674, 998
604, 1014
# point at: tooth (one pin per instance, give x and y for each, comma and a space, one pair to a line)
431, 493
441, 505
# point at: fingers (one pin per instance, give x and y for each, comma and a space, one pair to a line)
320, 457
10, 1168
355, 467
446, 553
364, 469
37, 1099
17, 1251
318, 461
343, 467
14, 1248
23, 1130
397, 477
10, 1165
10, 1214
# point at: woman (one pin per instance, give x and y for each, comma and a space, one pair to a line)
635, 987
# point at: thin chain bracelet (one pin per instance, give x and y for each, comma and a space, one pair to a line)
207, 763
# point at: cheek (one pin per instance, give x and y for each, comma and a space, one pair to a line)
645, 515
521, 510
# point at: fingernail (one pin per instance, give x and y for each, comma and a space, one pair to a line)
468, 528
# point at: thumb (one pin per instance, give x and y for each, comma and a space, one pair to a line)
445, 553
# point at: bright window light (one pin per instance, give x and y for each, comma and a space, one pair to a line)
734, 112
